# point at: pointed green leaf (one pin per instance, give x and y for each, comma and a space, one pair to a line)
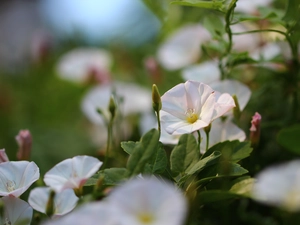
243, 186
111, 176
158, 7
205, 162
158, 162
217, 5
184, 154
128, 146
143, 152
289, 138
232, 151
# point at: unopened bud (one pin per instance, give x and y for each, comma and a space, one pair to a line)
152, 68
24, 141
156, 101
255, 129
3, 156
50, 204
236, 109
112, 107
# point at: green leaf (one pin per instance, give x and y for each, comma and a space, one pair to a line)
158, 162
214, 25
289, 138
111, 176
143, 152
242, 186
184, 154
232, 151
216, 5
205, 162
158, 8
215, 195
128, 146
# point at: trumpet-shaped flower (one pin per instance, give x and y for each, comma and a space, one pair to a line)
83, 64
16, 177
192, 105
183, 47
16, 211
64, 201
72, 173
148, 201
91, 213
279, 186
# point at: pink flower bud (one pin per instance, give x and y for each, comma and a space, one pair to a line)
153, 69
24, 141
255, 128
3, 156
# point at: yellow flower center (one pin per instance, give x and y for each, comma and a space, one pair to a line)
10, 186
191, 116
145, 218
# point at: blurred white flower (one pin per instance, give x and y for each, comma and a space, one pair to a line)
16, 211
221, 131
85, 64
279, 186
183, 47
72, 173
64, 201
148, 201
3, 156
17, 177
251, 6
130, 99
91, 213
192, 105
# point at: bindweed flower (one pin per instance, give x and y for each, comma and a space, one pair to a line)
17, 177
91, 213
279, 186
183, 47
148, 201
192, 105
16, 211
85, 64
3, 156
64, 201
72, 173
24, 141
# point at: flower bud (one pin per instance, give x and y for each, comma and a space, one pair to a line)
50, 204
255, 129
112, 107
3, 156
156, 101
24, 141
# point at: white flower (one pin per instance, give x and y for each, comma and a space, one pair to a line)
221, 131
17, 177
81, 63
183, 47
91, 213
192, 105
250, 7
148, 201
16, 211
279, 186
72, 173
64, 201
131, 99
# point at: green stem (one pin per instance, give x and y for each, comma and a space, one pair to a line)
158, 122
108, 143
207, 141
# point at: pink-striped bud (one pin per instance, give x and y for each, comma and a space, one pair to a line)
3, 156
255, 129
24, 141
